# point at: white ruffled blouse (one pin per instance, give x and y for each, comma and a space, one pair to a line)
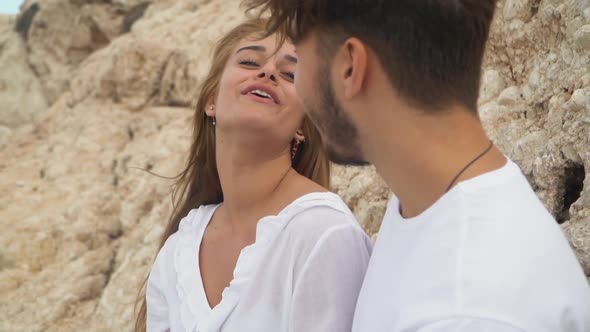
303, 273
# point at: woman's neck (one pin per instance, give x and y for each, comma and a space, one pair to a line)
250, 184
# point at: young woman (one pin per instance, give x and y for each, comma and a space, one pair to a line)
256, 242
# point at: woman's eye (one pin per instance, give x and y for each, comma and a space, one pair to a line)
289, 75
248, 62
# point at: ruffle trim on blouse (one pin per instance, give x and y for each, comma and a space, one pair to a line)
190, 287
186, 262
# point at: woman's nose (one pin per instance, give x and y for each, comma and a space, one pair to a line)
264, 73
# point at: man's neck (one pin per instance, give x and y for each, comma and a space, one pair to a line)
418, 154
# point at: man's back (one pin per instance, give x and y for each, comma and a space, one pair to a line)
487, 256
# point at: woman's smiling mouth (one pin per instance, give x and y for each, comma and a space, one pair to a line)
262, 94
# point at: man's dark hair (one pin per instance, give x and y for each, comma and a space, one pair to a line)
431, 50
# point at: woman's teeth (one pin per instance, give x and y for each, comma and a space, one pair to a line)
262, 94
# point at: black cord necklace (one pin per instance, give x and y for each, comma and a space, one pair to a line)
469, 164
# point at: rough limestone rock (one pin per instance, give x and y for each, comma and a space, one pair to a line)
60, 34
21, 97
536, 104
80, 216
365, 193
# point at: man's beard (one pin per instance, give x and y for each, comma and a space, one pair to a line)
339, 133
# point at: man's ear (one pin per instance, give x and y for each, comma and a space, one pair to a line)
352, 66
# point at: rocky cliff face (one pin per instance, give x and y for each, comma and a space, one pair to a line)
91, 92
535, 104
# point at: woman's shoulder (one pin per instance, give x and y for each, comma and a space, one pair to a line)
320, 224
313, 215
188, 228
318, 203
196, 218
178, 249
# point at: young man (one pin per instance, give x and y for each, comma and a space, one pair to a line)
465, 244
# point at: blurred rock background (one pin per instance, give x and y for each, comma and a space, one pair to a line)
93, 90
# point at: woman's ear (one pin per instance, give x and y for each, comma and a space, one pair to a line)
299, 136
210, 110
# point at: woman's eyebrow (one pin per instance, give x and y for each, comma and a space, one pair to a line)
257, 48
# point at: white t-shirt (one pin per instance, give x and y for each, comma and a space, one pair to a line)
303, 273
487, 256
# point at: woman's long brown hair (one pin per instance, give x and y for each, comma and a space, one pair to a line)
198, 184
